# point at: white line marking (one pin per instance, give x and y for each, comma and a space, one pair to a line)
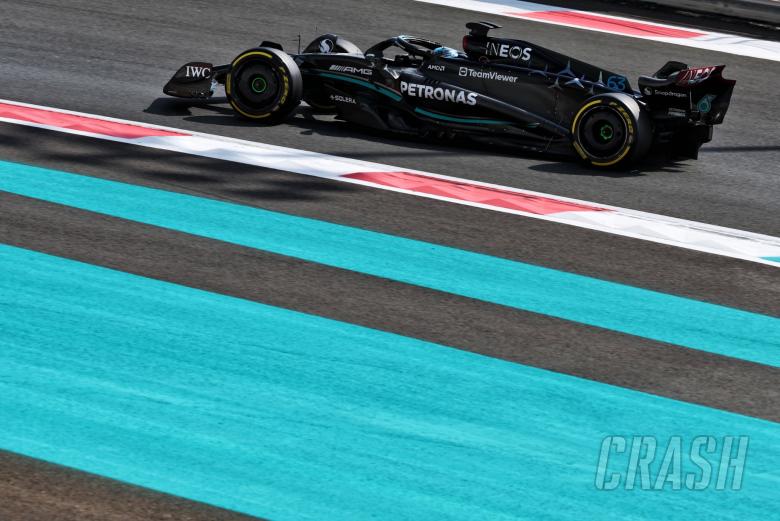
619, 221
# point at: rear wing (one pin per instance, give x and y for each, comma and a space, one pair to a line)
701, 92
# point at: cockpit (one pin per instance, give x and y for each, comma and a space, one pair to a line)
415, 51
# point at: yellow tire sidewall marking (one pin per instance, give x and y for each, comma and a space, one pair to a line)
629, 127
285, 80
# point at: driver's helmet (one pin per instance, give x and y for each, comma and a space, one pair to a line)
445, 52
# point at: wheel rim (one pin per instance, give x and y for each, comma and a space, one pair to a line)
606, 132
257, 85
603, 132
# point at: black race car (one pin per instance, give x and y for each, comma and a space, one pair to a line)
497, 89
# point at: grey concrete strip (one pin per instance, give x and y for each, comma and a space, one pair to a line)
496, 331
663, 268
34, 490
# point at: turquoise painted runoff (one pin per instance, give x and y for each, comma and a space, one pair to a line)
618, 307
773, 259
291, 416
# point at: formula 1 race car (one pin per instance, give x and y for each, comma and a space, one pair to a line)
497, 90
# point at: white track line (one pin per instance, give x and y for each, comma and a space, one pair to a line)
681, 233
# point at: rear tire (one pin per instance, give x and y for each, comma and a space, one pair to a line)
264, 85
611, 131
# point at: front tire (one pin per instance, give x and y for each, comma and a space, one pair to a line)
264, 85
611, 131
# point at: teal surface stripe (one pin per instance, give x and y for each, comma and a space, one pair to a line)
476, 121
773, 259
290, 416
657, 316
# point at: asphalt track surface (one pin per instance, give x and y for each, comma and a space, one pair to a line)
112, 58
